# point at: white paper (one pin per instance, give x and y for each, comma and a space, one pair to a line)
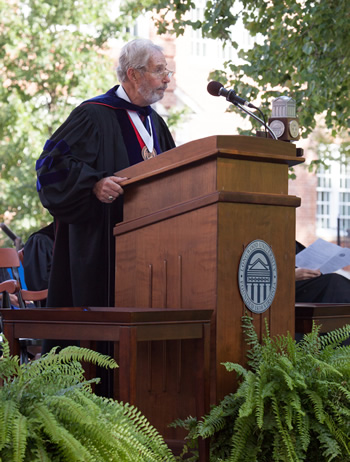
324, 256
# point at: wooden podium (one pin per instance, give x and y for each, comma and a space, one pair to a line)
188, 216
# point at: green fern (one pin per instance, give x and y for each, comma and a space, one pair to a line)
292, 404
48, 412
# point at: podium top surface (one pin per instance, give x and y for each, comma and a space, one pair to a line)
231, 146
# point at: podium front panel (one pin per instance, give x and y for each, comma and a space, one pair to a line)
191, 259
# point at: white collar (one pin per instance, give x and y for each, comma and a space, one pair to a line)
121, 93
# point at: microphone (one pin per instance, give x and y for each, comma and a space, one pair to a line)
217, 89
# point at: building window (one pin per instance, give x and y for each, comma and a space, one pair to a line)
333, 199
344, 197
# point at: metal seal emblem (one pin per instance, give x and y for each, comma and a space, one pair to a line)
257, 276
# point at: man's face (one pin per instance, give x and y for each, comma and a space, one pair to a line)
154, 79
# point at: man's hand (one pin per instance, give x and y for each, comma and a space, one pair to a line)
303, 273
14, 299
107, 189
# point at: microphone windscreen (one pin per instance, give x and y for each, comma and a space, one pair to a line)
214, 88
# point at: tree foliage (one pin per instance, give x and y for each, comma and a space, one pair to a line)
301, 50
53, 54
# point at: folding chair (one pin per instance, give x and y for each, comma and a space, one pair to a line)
7, 287
10, 260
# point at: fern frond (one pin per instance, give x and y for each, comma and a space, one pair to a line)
134, 449
67, 445
284, 434
19, 435
329, 447
68, 360
68, 409
187, 424
8, 412
340, 358
262, 391
340, 411
247, 391
39, 453
251, 338
341, 391
243, 428
322, 368
292, 350
240, 370
283, 368
317, 405
220, 416
335, 337
5, 348
302, 423
122, 432
74, 353
338, 434
150, 436
311, 343
289, 410
9, 366
212, 423
92, 404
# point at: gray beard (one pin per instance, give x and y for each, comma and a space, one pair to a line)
149, 95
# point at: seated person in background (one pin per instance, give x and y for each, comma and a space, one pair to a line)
311, 286
37, 258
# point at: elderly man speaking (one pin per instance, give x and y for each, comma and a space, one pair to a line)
76, 180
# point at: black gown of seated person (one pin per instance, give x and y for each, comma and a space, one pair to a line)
327, 288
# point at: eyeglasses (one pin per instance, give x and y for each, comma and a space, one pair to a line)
161, 73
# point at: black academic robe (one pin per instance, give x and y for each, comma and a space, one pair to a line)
87, 147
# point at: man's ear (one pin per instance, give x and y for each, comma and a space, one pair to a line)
132, 74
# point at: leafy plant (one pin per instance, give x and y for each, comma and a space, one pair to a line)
293, 404
48, 412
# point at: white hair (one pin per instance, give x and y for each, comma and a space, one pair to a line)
135, 54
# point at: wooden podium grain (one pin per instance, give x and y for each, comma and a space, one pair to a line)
188, 216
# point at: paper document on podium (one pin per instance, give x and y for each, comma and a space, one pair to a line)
324, 256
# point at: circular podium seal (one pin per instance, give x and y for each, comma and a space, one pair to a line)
257, 276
